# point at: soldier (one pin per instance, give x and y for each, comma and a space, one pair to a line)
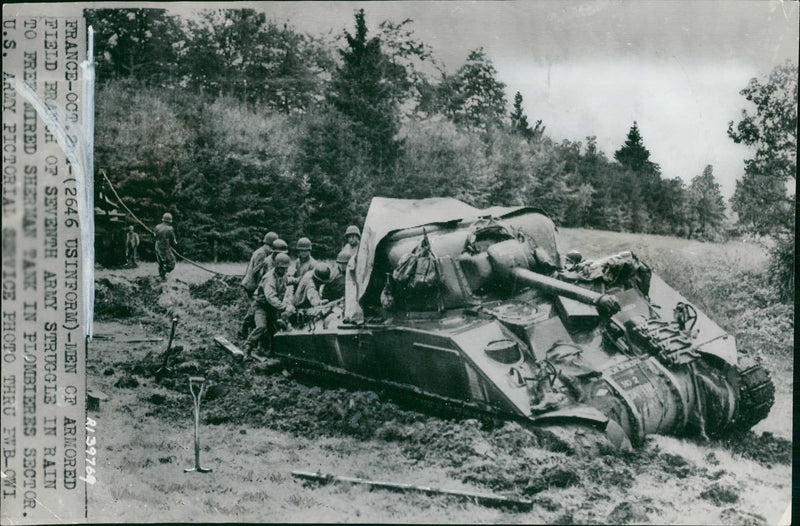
304, 261
252, 277
273, 299
352, 236
165, 239
335, 289
255, 269
278, 246
307, 293
131, 246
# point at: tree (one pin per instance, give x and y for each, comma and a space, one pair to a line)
142, 145
654, 203
407, 56
338, 169
519, 121
139, 43
762, 198
362, 89
706, 205
440, 159
513, 165
473, 96
239, 53
633, 154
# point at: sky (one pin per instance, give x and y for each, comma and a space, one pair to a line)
592, 68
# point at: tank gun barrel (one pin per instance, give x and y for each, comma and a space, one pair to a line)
511, 260
555, 286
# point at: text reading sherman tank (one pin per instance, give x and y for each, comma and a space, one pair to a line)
477, 308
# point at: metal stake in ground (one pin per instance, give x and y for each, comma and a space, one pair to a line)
197, 397
164, 369
486, 499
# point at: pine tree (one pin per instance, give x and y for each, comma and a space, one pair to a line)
633, 154
362, 90
519, 121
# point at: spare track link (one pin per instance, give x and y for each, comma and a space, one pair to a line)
756, 395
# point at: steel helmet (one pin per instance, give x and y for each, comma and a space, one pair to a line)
352, 229
279, 245
269, 237
282, 260
322, 272
166, 218
343, 256
304, 244
574, 257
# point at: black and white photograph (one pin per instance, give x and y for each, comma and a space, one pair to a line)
399, 262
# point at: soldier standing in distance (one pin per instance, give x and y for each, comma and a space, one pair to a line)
165, 240
131, 246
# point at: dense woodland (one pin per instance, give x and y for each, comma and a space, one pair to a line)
237, 124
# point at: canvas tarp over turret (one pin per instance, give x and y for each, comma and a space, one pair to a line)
386, 216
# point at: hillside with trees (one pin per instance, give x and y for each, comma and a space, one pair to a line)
237, 124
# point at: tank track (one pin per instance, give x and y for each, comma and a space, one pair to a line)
756, 395
406, 399
453, 410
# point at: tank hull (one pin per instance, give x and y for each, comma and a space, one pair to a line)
477, 310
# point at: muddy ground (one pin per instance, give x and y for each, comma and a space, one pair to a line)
260, 422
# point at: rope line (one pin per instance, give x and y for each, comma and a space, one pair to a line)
119, 200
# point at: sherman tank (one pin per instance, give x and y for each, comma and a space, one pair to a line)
478, 309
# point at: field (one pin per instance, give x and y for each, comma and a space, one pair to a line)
259, 422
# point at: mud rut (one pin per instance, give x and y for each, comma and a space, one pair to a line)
492, 455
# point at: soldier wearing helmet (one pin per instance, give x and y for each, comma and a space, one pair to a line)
131, 246
304, 261
165, 241
273, 300
307, 293
258, 266
278, 246
352, 237
335, 289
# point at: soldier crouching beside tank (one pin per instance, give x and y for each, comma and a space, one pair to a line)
335, 289
165, 240
273, 300
307, 294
